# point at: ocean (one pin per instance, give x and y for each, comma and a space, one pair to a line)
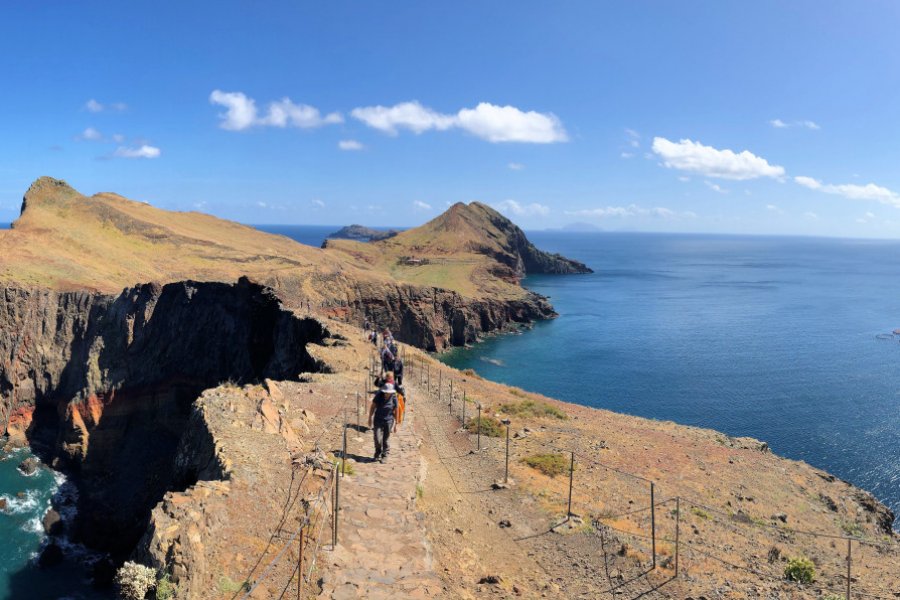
787, 340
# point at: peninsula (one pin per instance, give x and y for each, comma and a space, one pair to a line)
197, 378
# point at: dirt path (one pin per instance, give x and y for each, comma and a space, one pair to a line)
383, 551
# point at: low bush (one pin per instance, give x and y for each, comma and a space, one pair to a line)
801, 570
165, 589
549, 464
227, 585
135, 580
532, 408
490, 427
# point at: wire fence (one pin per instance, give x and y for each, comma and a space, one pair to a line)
674, 537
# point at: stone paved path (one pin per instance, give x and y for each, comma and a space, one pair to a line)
382, 549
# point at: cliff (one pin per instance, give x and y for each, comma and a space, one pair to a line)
102, 385
65, 241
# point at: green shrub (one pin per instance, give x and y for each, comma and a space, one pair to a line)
228, 586
549, 464
801, 570
699, 512
532, 408
165, 589
490, 427
348, 466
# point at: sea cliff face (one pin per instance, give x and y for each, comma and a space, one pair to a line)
102, 385
433, 319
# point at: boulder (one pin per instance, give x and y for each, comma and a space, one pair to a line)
53, 523
29, 465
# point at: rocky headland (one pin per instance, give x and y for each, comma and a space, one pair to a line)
199, 414
361, 233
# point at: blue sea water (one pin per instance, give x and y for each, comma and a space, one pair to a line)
769, 337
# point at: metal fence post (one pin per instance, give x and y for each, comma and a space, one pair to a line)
336, 507
653, 519
464, 408
429, 378
506, 469
344, 449
479, 426
300, 564
357, 411
849, 563
677, 527
571, 482
440, 385
451, 398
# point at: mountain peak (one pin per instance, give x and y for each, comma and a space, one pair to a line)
46, 188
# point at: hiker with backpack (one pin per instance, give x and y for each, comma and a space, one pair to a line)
387, 359
383, 417
398, 370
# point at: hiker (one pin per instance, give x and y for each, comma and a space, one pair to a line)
387, 359
383, 417
398, 370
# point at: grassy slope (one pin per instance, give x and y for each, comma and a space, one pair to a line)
457, 245
65, 240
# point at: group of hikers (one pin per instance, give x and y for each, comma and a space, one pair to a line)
389, 402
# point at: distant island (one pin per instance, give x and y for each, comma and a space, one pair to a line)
361, 233
579, 227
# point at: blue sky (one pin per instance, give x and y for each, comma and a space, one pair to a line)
762, 117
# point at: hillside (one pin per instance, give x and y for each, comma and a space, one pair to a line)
194, 418
472, 249
65, 240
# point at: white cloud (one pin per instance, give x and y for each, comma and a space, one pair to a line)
511, 207
118, 138
694, 157
632, 210
806, 123
144, 151
634, 138
509, 124
811, 216
96, 107
870, 191
406, 115
316, 202
419, 205
516, 166
486, 121
241, 113
90, 134
262, 204
627, 155
715, 187
774, 209
350, 145
683, 179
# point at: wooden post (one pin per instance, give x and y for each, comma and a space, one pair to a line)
300, 564
677, 527
571, 482
653, 520
849, 563
479, 426
506, 470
